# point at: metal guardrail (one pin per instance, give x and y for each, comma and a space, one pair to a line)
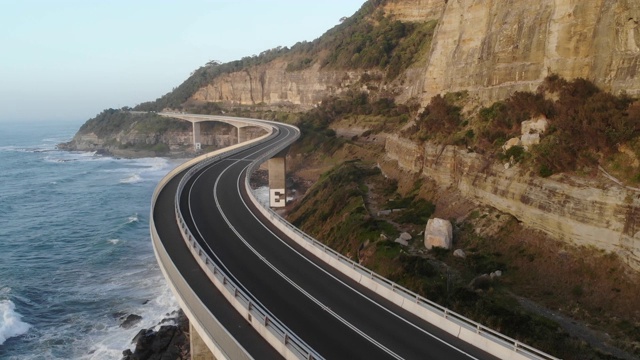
445, 313
257, 315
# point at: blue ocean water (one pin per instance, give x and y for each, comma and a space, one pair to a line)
75, 252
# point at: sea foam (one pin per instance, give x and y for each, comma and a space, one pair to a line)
133, 179
11, 324
133, 218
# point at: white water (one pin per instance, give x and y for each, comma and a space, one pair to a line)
11, 323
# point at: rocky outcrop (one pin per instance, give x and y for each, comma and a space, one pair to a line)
415, 10
168, 342
272, 84
589, 212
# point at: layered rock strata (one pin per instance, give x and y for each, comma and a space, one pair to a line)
579, 211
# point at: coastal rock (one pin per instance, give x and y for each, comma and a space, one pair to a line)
127, 322
438, 233
168, 342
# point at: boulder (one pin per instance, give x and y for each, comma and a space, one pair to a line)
511, 143
405, 236
459, 253
530, 139
535, 126
438, 233
402, 241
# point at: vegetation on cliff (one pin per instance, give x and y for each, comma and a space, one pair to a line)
369, 39
587, 127
535, 267
110, 122
347, 209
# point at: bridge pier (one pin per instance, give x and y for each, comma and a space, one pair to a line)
197, 138
277, 177
242, 134
199, 349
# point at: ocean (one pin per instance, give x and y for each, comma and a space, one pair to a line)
75, 251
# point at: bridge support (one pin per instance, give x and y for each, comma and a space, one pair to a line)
277, 176
197, 139
199, 350
242, 134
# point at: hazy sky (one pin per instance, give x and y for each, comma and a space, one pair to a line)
63, 59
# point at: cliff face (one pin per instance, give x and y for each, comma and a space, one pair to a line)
577, 211
490, 48
495, 47
272, 84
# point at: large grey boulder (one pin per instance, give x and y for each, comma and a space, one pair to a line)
438, 233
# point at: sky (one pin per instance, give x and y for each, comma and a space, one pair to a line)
69, 60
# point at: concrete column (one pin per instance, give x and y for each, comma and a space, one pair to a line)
277, 171
242, 134
199, 350
197, 139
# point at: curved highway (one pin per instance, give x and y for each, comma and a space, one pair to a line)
336, 316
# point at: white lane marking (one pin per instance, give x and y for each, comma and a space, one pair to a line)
342, 282
221, 264
287, 279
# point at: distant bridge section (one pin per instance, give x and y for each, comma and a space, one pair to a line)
196, 119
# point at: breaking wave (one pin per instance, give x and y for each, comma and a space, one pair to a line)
11, 324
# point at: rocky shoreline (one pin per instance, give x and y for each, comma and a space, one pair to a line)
169, 342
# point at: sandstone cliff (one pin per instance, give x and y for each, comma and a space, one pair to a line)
579, 211
272, 84
497, 47
490, 48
